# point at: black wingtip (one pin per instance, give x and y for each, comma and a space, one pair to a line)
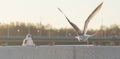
67, 19
60, 10
64, 15
101, 3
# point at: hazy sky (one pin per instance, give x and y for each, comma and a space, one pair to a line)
46, 11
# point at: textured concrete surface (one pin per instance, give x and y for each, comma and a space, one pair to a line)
60, 52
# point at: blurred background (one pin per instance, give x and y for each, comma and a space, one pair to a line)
15, 32
48, 26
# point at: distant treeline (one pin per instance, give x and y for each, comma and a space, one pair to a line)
20, 28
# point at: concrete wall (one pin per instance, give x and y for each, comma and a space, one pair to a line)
60, 52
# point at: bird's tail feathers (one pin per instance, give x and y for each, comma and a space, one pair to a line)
92, 34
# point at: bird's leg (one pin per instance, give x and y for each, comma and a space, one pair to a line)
87, 43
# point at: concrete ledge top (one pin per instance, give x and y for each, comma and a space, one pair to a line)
60, 52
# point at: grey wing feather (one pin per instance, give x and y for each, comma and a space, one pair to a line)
91, 16
72, 24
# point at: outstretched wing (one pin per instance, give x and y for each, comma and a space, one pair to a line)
72, 24
90, 17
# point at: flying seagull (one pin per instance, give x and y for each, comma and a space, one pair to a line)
83, 36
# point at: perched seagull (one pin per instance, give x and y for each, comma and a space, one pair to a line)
28, 41
83, 36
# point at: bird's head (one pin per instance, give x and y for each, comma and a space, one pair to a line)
28, 36
82, 37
